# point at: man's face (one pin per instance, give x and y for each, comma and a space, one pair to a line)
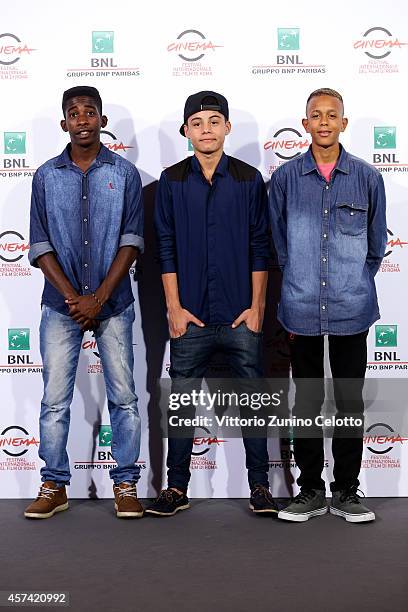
83, 121
325, 120
207, 130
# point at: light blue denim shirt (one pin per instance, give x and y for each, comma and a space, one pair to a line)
84, 218
330, 239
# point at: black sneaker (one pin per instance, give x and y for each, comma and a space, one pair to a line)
347, 504
261, 500
308, 503
168, 503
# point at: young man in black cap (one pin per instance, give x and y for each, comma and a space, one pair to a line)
211, 222
328, 224
86, 230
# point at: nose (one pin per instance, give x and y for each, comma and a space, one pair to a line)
82, 119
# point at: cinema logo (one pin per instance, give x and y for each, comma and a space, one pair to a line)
286, 143
103, 459
15, 443
386, 355
113, 144
195, 51
288, 61
90, 349
203, 449
13, 54
394, 246
381, 441
104, 61
14, 162
385, 155
13, 251
377, 44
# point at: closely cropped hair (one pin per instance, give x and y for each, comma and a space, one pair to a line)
325, 91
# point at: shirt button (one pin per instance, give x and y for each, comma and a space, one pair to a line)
85, 220
323, 283
85, 265
351, 213
323, 307
324, 259
327, 186
325, 211
324, 235
86, 242
86, 287
84, 197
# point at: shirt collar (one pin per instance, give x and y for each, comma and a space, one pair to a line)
309, 162
104, 157
221, 169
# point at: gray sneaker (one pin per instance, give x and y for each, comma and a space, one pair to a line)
308, 503
348, 505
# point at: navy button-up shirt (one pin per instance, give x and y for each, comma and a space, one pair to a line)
330, 239
213, 235
84, 218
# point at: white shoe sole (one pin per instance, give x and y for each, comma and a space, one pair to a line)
302, 517
269, 511
39, 515
353, 518
156, 513
128, 514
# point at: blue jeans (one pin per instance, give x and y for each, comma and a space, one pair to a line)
190, 355
60, 344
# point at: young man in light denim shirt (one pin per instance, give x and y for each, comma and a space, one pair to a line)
86, 229
327, 212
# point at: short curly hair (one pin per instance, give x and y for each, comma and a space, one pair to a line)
325, 91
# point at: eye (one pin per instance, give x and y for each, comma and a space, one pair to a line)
91, 113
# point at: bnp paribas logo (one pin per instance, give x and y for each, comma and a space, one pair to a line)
385, 137
386, 335
105, 435
102, 42
14, 143
19, 339
288, 39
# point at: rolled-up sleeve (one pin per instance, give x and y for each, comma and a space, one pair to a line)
133, 214
377, 224
40, 242
277, 213
259, 239
164, 224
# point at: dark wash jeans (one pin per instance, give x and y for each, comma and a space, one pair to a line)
348, 360
189, 358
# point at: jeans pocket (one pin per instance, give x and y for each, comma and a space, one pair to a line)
182, 335
351, 218
253, 333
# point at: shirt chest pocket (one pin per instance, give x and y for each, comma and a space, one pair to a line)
351, 217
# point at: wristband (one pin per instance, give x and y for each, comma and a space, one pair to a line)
97, 299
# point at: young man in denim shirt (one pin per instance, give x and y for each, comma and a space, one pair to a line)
327, 212
212, 227
86, 230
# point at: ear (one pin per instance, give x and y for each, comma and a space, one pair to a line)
345, 123
228, 127
305, 124
185, 130
63, 125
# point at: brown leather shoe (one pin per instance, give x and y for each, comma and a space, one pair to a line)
50, 499
126, 503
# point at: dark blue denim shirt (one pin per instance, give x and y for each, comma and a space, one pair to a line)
330, 239
213, 235
84, 218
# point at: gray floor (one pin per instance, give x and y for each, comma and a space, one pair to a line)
216, 556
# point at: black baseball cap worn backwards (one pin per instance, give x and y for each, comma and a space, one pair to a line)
204, 100
82, 90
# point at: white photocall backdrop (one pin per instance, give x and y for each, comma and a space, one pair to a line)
146, 59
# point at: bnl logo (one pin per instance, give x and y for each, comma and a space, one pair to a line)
288, 40
14, 144
102, 42
385, 137
385, 338
19, 340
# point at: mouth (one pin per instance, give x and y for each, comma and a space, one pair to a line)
208, 140
324, 133
84, 133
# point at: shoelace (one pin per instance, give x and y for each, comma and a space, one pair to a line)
262, 491
350, 496
128, 492
46, 493
167, 494
303, 497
